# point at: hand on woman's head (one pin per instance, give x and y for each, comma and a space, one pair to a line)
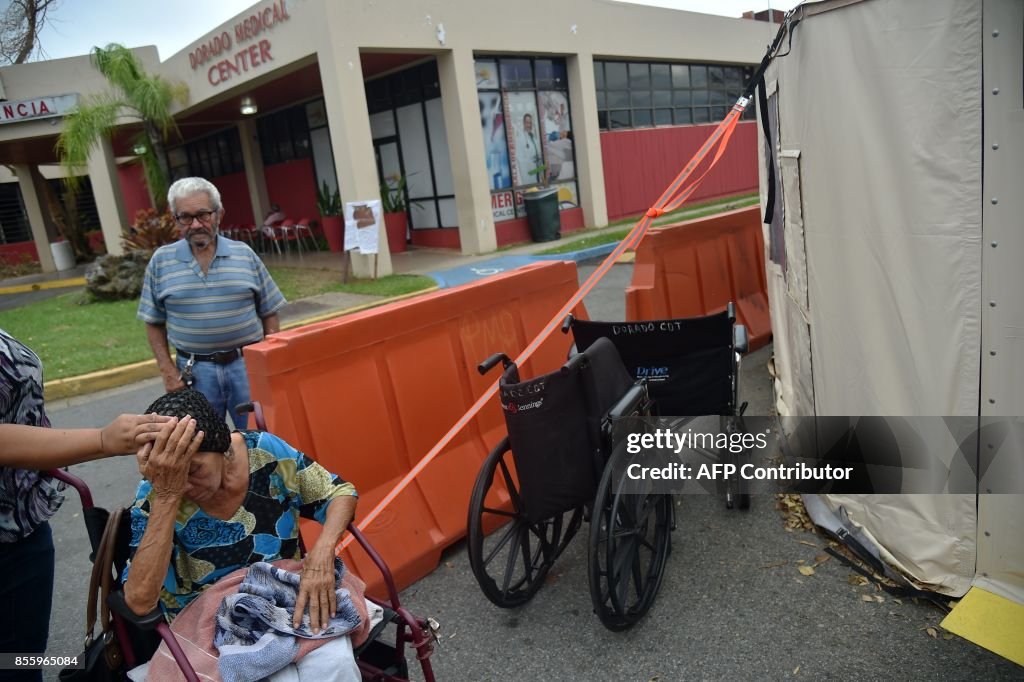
168, 461
129, 432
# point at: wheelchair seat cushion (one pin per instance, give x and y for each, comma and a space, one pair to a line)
605, 378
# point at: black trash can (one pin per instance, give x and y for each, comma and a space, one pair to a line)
542, 214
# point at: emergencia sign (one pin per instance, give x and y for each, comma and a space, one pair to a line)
38, 107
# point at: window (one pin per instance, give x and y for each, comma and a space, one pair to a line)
410, 139
642, 94
14, 226
527, 128
284, 135
212, 156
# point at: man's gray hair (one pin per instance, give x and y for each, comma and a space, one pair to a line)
186, 187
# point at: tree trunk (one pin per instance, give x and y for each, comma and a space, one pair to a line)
156, 145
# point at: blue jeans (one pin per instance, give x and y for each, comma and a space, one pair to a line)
26, 593
225, 386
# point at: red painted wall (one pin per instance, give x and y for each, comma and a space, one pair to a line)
15, 253
437, 238
133, 189
639, 165
292, 186
518, 231
234, 195
507, 231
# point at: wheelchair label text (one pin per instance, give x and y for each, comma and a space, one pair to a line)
515, 408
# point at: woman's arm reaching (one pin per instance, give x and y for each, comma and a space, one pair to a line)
35, 447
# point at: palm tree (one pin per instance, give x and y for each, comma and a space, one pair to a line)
135, 94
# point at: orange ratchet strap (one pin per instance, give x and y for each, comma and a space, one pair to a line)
672, 198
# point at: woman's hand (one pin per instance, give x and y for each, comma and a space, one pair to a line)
129, 432
166, 464
317, 590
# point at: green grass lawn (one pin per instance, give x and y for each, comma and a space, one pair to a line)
72, 338
296, 283
687, 212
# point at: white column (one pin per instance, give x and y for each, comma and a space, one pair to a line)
352, 143
255, 178
587, 137
106, 190
36, 217
466, 149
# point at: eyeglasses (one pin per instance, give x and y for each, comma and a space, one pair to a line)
186, 219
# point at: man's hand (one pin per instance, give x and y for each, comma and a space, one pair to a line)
166, 462
129, 432
317, 590
172, 379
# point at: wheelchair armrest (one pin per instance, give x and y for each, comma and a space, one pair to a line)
629, 402
740, 338
117, 604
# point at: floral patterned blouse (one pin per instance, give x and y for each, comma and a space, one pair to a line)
27, 497
284, 484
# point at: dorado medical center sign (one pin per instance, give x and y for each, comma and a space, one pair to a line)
246, 50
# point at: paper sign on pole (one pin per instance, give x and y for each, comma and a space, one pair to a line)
363, 225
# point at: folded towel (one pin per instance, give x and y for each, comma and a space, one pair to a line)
194, 627
254, 632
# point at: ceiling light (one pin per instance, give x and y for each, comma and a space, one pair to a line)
248, 107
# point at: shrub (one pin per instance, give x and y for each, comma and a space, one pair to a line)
18, 265
112, 278
150, 230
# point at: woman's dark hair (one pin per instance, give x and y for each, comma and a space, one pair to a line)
190, 402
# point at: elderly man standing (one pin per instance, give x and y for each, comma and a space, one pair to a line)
208, 296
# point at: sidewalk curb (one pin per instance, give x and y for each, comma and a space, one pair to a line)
37, 286
84, 384
582, 254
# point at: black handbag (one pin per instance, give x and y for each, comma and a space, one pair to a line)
102, 658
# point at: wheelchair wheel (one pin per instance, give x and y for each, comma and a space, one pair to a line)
630, 540
737, 489
511, 563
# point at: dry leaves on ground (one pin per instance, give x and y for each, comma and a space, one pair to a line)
794, 514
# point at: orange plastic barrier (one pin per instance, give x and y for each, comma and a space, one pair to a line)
370, 393
697, 267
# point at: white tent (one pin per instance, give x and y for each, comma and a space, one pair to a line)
894, 256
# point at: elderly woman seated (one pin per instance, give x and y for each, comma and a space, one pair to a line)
214, 501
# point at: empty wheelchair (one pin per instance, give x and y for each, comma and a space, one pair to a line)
550, 472
692, 368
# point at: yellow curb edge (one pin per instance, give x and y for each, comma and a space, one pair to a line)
37, 286
83, 384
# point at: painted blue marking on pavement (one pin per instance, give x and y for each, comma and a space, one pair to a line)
479, 270
470, 273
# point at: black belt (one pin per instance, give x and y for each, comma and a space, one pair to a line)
223, 357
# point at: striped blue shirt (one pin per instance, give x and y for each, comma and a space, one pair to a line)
218, 311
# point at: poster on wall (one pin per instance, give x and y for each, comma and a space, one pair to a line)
503, 205
492, 123
567, 195
486, 74
524, 137
557, 133
362, 225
